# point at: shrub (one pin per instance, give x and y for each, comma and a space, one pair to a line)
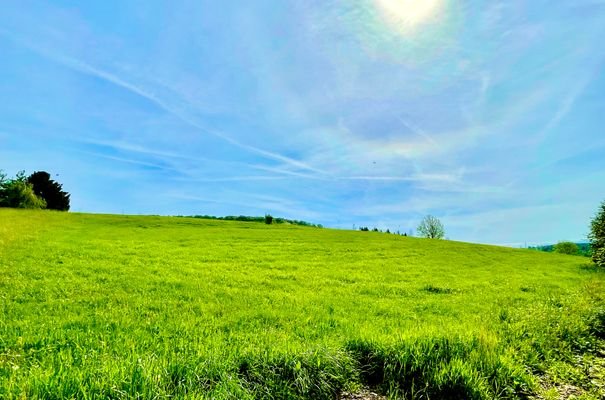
597, 237
268, 219
567, 248
18, 193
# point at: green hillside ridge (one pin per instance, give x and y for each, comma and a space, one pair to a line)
103, 306
248, 218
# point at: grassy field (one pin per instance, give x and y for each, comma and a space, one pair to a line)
96, 306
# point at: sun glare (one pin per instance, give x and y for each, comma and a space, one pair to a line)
409, 14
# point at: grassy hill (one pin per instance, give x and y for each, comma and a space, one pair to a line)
100, 306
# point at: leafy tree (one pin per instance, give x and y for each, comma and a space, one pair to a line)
49, 190
18, 193
597, 236
430, 227
598, 256
567, 248
268, 219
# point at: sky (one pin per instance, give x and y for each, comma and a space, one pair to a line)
486, 114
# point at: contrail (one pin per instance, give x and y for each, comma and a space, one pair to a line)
123, 146
418, 131
88, 69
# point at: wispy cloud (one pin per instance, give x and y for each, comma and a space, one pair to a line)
83, 67
281, 171
413, 178
566, 105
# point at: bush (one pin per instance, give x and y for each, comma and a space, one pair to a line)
18, 193
567, 248
268, 219
597, 237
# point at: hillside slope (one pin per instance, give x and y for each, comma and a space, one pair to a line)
120, 306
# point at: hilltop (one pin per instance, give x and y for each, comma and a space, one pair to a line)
247, 218
105, 306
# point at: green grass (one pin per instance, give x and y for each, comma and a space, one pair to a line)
99, 306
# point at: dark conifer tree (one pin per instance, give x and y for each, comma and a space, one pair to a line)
49, 190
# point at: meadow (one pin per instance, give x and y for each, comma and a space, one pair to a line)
104, 306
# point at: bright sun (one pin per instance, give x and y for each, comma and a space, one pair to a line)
409, 14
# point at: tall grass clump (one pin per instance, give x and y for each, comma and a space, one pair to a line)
440, 367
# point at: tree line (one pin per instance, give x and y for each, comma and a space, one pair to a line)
36, 191
430, 227
267, 219
570, 248
594, 249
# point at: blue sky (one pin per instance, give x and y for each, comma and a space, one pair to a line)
486, 114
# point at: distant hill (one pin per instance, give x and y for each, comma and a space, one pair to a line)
549, 248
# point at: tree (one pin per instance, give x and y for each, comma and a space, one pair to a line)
268, 219
567, 248
597, 237
49, 190
18, 193
430, 227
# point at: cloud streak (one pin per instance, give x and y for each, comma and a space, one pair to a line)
84, 68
